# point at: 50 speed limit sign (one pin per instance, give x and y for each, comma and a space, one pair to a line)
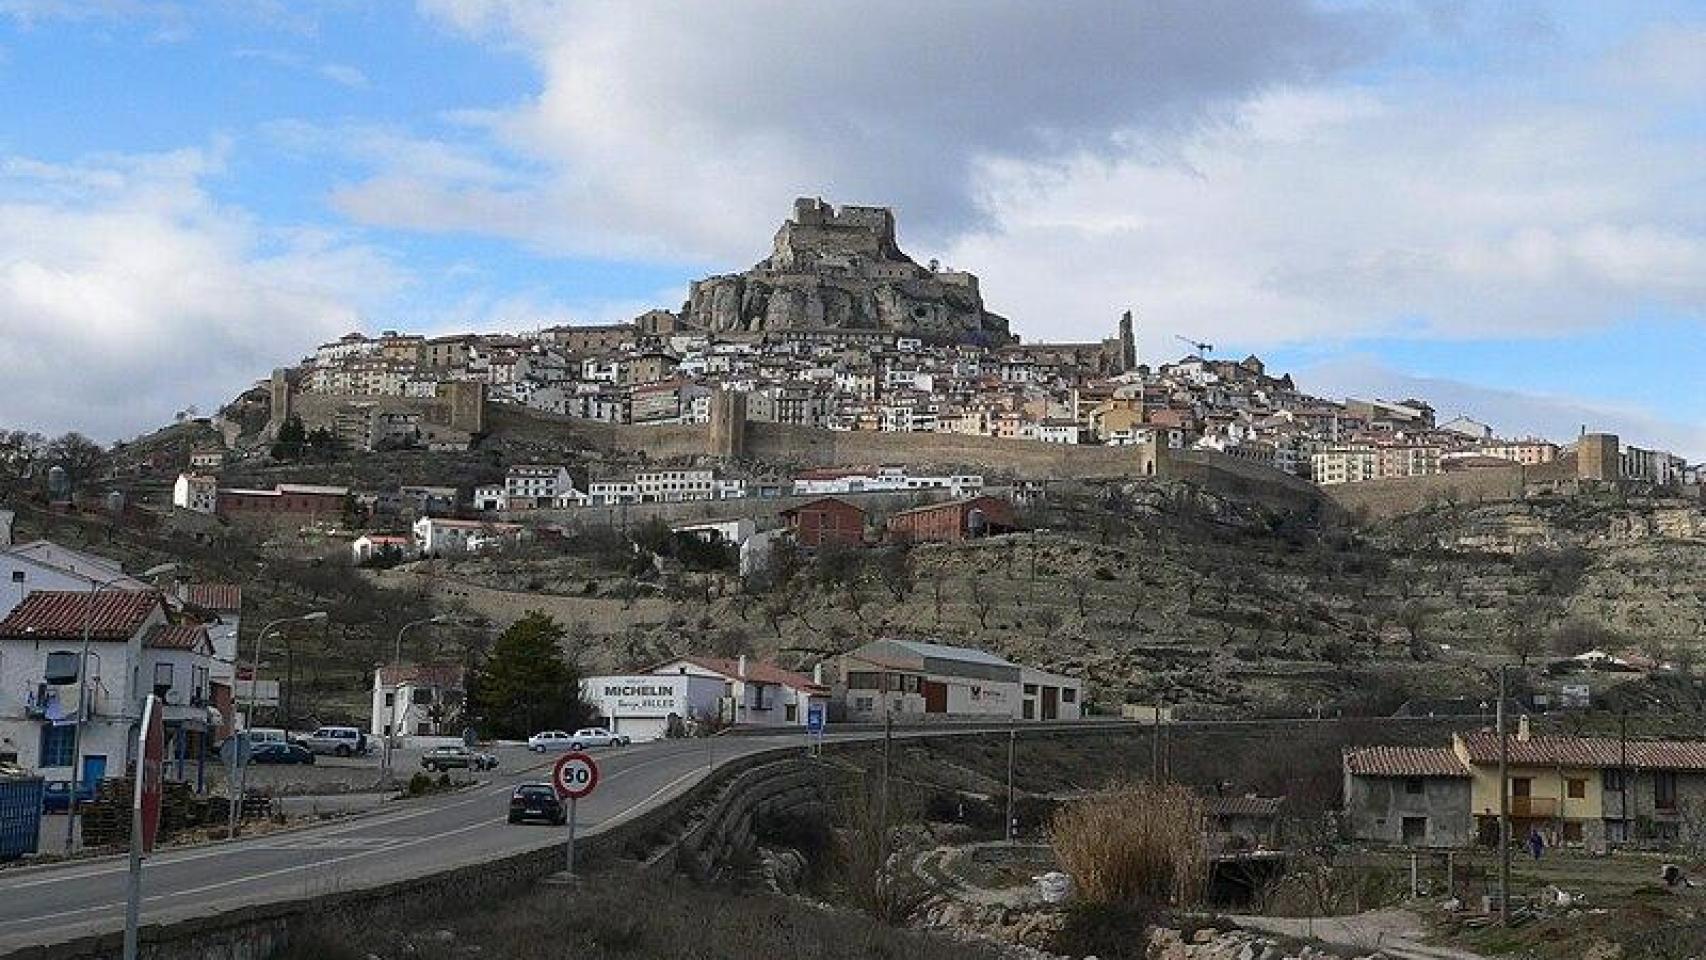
574, 776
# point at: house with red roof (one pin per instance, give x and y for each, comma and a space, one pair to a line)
754, 693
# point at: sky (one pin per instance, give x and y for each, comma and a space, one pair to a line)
1497, 205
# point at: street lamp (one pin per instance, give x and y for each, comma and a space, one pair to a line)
95, 587
396, 671
249, 714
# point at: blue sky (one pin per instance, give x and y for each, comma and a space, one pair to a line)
1501, 204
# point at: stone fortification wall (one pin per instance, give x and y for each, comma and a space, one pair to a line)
1389, 498
1023, 459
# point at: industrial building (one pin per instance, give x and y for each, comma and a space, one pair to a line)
911, 680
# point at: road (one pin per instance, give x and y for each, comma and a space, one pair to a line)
61, 902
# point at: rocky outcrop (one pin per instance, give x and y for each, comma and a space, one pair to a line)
841, 269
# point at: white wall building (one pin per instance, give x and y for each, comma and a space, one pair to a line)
642, 706
759, 694
436, 537
912, 680
418, 701
195, 491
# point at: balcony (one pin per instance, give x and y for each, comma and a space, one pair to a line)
1532, 807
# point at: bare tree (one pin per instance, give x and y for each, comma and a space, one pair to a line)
982, 600
938, 582
1080, 587
1049, 619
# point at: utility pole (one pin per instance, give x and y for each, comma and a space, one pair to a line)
1504, 807
1012, 748
883, 799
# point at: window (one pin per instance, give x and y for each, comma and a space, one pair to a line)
391, 699
1664, 789
1414, 785
863, 704
162, 676
1612, 778
17, 576
1572, 831
421, 695
57, 745
61, 667
1068, 695
1577, 789
1030, 689
792, 713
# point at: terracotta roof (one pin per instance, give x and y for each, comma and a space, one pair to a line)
820, 502
1553, 751
756, 671
178, 636
450, 676
1245, 806
60, 614
215, 596
1404, 762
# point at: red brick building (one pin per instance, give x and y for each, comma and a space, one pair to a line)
293, 501
953, 521
826, 521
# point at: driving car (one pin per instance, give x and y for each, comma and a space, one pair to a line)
338, 741
536, 801
579, 740
458, 758
276, 752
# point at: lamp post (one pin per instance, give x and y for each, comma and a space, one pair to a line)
95, 587
396, 671
249, 713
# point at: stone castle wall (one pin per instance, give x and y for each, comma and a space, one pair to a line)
1389, 498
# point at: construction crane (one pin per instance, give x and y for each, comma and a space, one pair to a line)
1202, 349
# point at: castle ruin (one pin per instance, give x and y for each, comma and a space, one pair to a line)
841, 268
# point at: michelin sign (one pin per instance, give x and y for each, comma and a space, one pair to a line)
642, 696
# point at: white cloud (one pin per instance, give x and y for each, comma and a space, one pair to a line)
1512, 413
684, 129
338, 73
127, 292
343, 74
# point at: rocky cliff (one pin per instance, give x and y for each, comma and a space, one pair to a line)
841, 268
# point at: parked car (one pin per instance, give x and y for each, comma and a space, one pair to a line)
537, 801
458, 758
579, 740
337, 741
276, 752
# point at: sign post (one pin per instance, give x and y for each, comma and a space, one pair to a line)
574, 776
144, 812
815, 720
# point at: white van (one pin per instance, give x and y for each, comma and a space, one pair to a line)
337, 741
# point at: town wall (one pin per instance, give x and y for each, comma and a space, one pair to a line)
1400, 495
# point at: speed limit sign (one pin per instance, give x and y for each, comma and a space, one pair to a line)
574, 776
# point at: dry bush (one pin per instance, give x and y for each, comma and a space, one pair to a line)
1141, 842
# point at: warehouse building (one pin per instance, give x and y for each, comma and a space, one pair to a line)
911, 680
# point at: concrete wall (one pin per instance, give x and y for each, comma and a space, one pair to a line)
1375, 808
727, 832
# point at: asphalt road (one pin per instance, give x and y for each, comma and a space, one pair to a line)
55, 903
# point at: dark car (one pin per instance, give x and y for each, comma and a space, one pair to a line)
537, 801
276, 752
458, 758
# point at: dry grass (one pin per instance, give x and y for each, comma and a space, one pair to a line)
1136, 843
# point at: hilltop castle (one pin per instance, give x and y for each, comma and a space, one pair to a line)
841, 268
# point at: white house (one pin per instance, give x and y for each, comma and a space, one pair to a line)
732, 532
673, 486
418, 701
377, 546
491, 496
40, 693
536, 482
197, 492
436, 537
45, 565
754, 693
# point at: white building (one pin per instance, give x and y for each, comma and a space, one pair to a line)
491, 496
912, 680
435, 537
195, 491
536, 482
821, 483
644, 706
674, 486
377, 546
418, 701
134, 651
45, 565
754, 693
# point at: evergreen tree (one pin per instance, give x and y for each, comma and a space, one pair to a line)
526, 684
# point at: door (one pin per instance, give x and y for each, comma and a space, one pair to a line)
1051, 703
935, 697
94, 768
1415, 831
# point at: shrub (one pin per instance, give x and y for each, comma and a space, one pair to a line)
1135, 843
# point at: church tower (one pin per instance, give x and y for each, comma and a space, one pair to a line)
1128, 344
